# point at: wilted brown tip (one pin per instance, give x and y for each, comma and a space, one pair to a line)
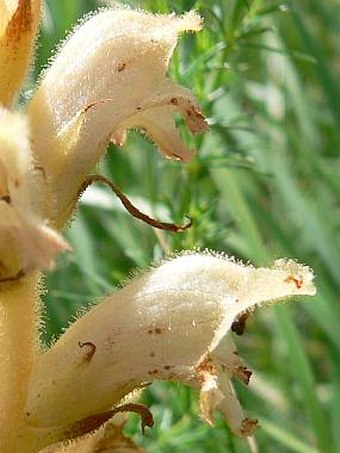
144, 413
243, 373
239, 324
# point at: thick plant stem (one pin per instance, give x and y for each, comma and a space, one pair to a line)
19, 315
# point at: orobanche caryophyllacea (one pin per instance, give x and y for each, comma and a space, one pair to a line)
174, 322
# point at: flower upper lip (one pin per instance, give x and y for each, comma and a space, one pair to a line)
82, 103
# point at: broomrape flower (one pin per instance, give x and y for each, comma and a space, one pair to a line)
176, 321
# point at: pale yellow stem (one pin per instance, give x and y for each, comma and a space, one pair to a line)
19, 315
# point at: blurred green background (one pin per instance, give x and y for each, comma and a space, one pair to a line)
265, 184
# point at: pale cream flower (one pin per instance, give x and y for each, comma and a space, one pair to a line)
26, 241
174, 322
108, 77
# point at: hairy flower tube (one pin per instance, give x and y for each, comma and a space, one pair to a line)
119, 82
174, 322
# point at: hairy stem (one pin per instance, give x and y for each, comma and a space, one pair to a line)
19, 314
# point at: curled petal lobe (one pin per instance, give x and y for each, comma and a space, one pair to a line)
18, 26
118, 83
155, 116
172, 323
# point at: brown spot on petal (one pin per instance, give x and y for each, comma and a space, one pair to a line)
297, 280
6, 199
156, 330
92, 105
167, 367
121, 67
248, 426
174, 101
152, 354
206, 366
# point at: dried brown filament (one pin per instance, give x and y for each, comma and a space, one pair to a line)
135, 212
